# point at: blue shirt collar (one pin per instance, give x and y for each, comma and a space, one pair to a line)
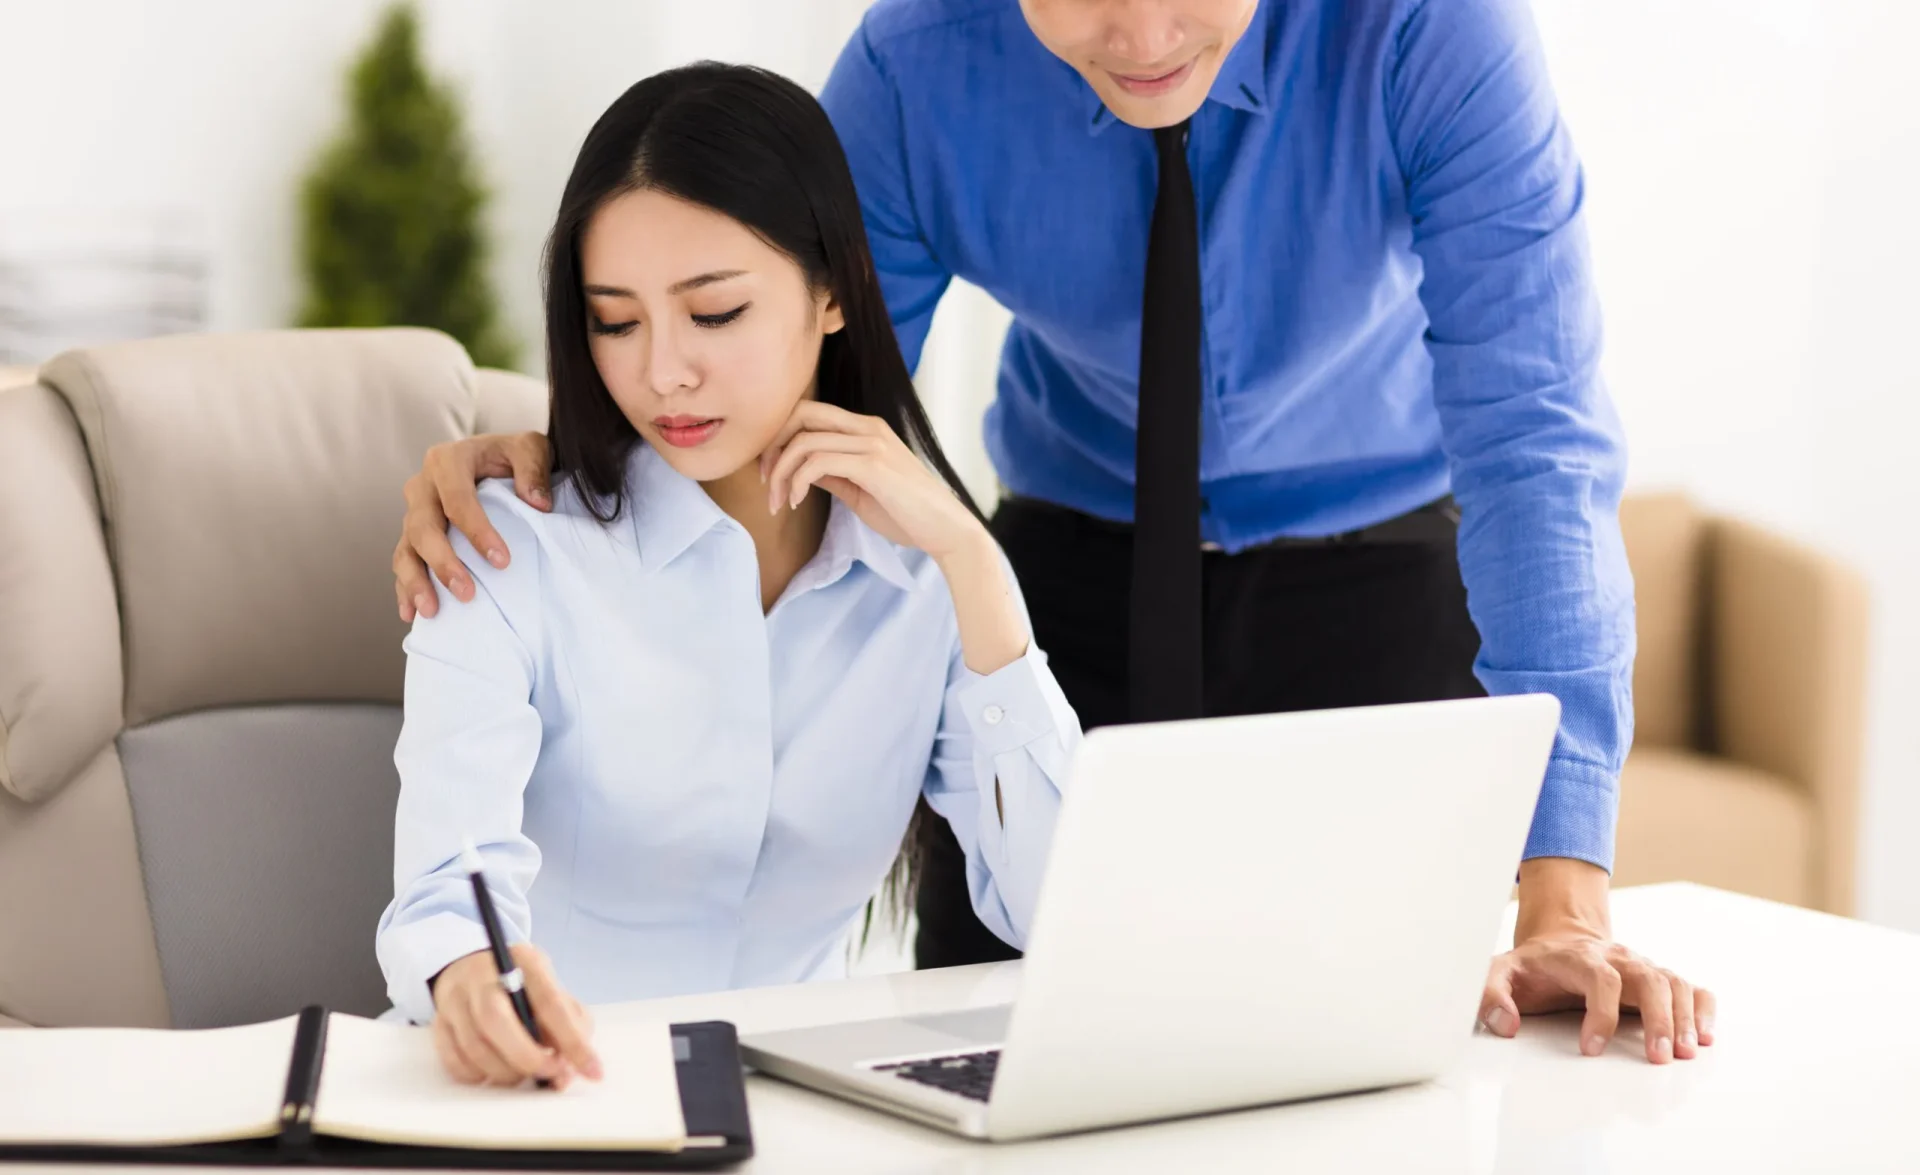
671, 512
1240, 84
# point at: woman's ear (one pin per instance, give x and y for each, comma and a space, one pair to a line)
831, 318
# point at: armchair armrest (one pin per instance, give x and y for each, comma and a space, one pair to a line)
1786, 666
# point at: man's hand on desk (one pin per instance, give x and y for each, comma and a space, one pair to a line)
1564, 958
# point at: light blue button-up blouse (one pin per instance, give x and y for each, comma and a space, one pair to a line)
675, 792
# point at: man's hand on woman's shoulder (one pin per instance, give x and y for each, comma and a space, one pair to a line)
444, 493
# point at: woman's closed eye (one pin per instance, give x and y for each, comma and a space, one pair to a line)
711, 321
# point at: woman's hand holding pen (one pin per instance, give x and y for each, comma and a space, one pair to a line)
864, 463
479, 1039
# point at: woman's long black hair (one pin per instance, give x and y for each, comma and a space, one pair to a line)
753, 146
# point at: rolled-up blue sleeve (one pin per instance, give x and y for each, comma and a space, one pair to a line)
999, 764
1537, 453
864, 106
467, 748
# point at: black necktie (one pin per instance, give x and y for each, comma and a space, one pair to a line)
1164, 651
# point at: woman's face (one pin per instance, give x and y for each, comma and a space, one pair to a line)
706, 335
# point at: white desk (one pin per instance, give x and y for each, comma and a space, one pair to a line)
1818, 1070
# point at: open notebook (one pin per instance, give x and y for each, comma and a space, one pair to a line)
338, 1089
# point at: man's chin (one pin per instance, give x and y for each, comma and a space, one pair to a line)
1153, 113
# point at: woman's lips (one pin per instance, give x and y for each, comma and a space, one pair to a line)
684, 432
1152, 87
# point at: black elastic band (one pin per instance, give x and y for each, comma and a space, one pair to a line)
303, 1079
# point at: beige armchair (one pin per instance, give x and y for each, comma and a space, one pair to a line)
200, 666
1749, 708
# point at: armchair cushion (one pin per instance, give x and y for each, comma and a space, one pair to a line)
250, 521
1689, 817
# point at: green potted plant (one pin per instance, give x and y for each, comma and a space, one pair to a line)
391, 213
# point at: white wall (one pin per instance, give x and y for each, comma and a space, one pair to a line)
1750, 165
218, 107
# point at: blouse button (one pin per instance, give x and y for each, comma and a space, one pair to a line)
992, 715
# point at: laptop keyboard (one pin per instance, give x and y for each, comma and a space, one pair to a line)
967, 1074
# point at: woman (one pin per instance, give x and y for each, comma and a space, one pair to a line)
688, 726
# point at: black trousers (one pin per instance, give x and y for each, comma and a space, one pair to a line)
1286, 628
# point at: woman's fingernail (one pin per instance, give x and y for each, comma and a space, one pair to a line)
420, 605
1689, 1039
1663, 1049
497, 557
540, 497
1593, 1045
1497, 1021
592, 1068
1706, 1026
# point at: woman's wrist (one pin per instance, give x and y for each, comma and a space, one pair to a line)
992, 634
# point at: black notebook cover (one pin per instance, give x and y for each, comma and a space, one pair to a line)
713, 1099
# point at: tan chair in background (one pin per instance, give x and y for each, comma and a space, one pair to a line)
200, 666
1749, 700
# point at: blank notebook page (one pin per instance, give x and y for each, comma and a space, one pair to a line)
141, 1086
383, 1082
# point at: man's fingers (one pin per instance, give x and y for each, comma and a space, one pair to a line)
1588, 973
1653, 995
403, 601
1497, 1009
454, 475
412, 586
467, 516
1686, 1038
531, 461
429, 546
1704, 1008
424, 533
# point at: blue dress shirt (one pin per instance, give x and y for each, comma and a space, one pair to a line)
1397, 294
675, 792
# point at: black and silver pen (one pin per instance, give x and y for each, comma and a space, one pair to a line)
511, 980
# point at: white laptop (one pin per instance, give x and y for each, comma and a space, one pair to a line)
1236, 912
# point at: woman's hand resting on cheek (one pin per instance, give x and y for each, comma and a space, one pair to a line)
860, 460
479, 1038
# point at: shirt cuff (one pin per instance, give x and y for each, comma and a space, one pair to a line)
1579, 806
1007, 709
426, 947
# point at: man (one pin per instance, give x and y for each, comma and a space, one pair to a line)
1299, 407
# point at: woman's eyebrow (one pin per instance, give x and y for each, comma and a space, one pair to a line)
679, 287
705, 279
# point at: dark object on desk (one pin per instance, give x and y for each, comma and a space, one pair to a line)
713, 1102
967, 1074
